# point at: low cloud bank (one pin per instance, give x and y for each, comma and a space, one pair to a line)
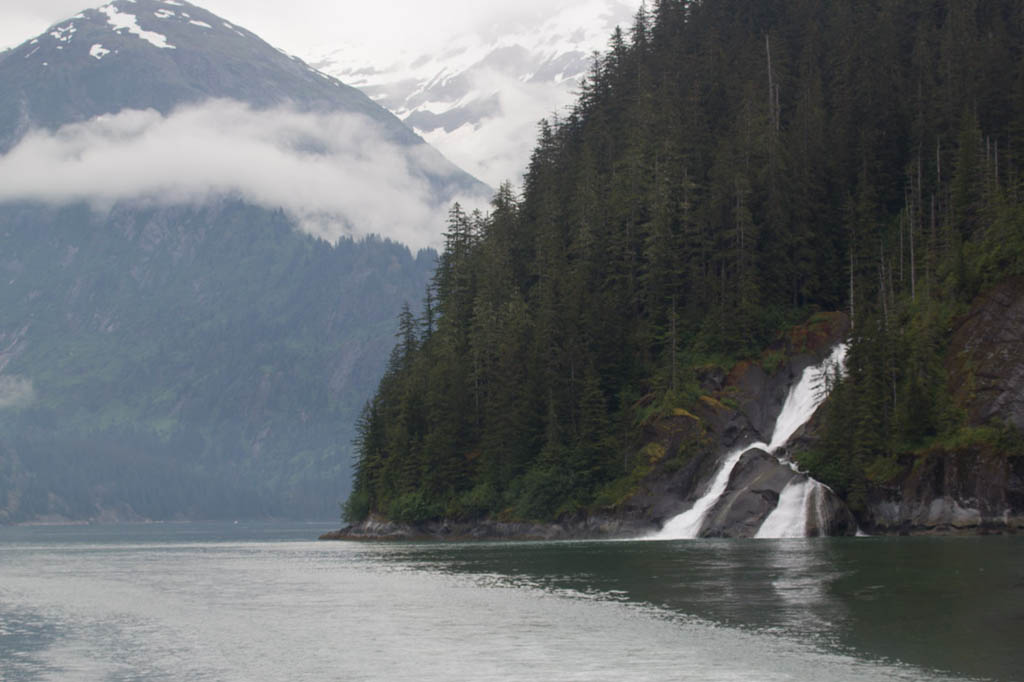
335, 174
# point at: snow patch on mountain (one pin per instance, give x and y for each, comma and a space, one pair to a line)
98, 51
63, 34
122, 21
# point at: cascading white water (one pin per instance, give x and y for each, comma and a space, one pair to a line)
804, 398
800, 500
687, 524
789, 518
801, 402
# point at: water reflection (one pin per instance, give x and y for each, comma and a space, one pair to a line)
955, 604
802, 572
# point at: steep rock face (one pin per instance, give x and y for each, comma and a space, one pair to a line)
971, 487
969, 490
688, 445
986, 356
832, 517
760, 388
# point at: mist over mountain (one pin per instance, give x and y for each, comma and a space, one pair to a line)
224, 111
193, 304
478, 96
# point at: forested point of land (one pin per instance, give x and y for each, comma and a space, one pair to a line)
729, 170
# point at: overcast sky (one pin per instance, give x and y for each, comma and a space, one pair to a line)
293, 25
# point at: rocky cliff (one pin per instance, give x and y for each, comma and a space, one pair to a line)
975, 484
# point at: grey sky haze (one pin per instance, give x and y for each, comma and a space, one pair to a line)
298, 24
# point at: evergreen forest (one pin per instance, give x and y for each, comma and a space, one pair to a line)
730, 169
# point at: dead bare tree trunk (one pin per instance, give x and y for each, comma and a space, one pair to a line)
852, 316
773, 88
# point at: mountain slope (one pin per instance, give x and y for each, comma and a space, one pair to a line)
181, 348
157, 54
215, 342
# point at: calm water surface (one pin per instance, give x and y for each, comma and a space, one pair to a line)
263, 602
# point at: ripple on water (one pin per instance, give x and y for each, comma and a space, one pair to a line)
313, 611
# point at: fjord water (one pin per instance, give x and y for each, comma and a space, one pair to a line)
262, 602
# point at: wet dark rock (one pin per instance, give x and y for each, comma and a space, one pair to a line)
986, 356
966, 491
751, 495
711, 379
832, 517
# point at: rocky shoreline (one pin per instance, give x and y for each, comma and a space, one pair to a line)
973, 488
605, 528
589, 528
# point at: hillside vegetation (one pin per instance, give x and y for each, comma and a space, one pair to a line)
730, 169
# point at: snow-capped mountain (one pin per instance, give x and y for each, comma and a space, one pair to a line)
477, 95
170, 58
152, 54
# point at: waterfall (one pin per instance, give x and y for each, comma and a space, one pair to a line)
789, 518
688, 524
803, 399
801, 500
